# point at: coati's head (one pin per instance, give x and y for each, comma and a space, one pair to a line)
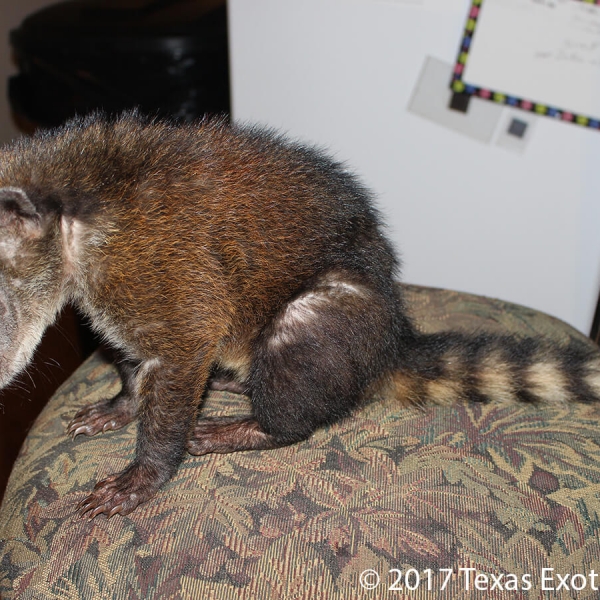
32, 277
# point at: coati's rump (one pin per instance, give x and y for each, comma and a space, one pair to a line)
209, 253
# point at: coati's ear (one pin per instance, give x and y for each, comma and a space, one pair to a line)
17, 209
15, 203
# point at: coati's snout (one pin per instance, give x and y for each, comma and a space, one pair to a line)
12, 357
23, 319
31, 285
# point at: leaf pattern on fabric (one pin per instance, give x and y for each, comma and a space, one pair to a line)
497, 488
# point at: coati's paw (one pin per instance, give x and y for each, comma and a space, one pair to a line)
120, 493
223, 384
105, 415
222, 435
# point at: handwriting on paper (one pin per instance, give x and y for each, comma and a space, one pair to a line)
577, 39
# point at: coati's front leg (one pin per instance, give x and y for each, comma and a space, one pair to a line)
111, 413
168, 396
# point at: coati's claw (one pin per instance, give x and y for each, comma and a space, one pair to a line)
118, 494
101, 416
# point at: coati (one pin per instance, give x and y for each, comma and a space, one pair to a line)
209, 252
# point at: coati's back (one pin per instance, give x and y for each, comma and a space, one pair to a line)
240, 212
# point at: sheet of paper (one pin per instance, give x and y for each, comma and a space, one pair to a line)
541, 54
434, 5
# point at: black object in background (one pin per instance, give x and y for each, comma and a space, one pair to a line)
168, 58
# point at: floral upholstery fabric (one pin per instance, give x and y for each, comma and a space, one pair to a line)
490, 500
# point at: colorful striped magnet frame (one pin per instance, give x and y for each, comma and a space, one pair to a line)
459, 86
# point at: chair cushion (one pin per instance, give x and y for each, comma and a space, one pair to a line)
505, 491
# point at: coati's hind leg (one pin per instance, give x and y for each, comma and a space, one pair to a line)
111, 413
311, 366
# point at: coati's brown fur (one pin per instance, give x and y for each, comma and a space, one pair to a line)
204, 249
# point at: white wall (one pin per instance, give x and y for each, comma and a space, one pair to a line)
11, 15
466, 215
